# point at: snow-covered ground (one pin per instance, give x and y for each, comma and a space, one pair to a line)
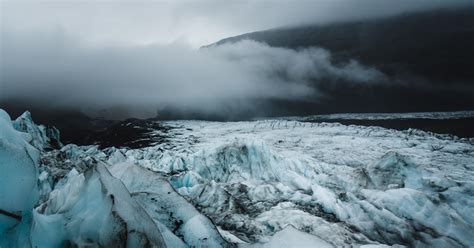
269, 183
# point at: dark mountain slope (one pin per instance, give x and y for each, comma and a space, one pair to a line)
436, 45
428, 56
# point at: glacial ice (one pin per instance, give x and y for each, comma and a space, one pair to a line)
291, 237
350, 184
165, 206
88, 206
42, 137
93, 209
264, 184
393, 171
18, 180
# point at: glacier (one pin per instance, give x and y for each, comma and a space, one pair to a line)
263, 183
18, 181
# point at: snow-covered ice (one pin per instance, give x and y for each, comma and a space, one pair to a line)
93, 209
291, 237
271, 182
387, 116
43, 137
18, 180
346, 184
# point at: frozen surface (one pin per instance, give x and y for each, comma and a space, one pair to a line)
93, 209
291, 237
76, 201
276, 182
348, 185
18, 179
167, 207
388, 116
42, 137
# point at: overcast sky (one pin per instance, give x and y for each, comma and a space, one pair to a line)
103, 54
194, 22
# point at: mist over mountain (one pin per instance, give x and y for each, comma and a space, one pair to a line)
419, 60
435, 45
427, 57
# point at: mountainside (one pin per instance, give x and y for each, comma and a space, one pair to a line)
426, 56
436, 45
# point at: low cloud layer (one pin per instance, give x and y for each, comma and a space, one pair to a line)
59, 70
197, 22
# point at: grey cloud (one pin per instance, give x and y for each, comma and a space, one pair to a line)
195, 22
58, 69
308, 66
